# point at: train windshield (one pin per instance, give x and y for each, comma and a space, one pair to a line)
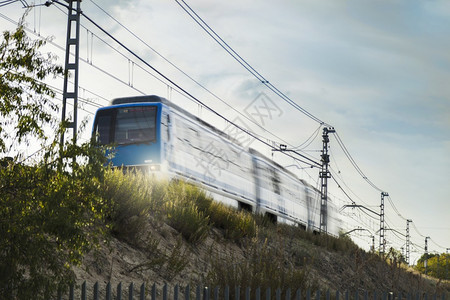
126, 125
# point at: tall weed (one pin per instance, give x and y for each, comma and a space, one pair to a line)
182, 211
263, 266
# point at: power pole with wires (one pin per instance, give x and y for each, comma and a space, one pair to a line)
407, 240
382, 236
70, 90
426, 255
324, 175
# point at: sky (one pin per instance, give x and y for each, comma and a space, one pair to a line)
377, 71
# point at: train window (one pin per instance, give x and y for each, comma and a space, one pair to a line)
136, 124
102, 126
275, 181
168, 127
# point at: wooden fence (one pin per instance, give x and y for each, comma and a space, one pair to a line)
132, 292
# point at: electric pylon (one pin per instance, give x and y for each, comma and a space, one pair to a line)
324, 175
70, 91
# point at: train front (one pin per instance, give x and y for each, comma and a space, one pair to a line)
133, 132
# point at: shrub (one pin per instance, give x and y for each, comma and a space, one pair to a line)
182, 211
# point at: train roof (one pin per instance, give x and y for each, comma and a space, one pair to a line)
139, 99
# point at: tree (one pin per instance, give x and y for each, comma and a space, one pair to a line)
50, 213
437, 265
26, 105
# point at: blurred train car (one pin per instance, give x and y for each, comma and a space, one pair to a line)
157, 136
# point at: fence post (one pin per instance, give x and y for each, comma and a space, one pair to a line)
108, 291
356, 294
247, 293
346, 295
119, 291
154, 291
278, 294
197, 293
258, 293
288, 294
175, 292
268, 293
187, 292
96, 294
237, 292
130, 291
328, 295
83, 291
142, 295
205, 293
216, 293
226, 292
165, 291
71, 292
318, 295
298, 295
337, 295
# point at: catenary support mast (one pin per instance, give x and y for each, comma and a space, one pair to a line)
70, 90
382, 227
324, 175
407, 240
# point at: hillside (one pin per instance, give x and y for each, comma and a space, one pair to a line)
182, 237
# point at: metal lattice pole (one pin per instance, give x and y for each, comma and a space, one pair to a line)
382, 227
70, 91
407, 241
324, 175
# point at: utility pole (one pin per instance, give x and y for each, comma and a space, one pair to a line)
407, 241
70, 91
426, 255
446, 264
382, 237
324, 175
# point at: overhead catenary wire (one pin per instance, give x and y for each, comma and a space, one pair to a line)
243, 62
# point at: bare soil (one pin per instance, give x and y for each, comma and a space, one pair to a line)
159, 255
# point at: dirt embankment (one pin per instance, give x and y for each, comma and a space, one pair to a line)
160, 255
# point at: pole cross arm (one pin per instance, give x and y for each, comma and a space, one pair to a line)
357, 229
358, 206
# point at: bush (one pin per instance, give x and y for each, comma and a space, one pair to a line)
134, 197
48, 220
236, 225
183, 213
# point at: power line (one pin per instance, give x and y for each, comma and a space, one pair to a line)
395, 208
353, 162
7, 2
243, 62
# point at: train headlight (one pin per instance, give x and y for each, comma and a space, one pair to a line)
154, 168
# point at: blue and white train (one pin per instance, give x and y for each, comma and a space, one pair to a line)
151, 133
